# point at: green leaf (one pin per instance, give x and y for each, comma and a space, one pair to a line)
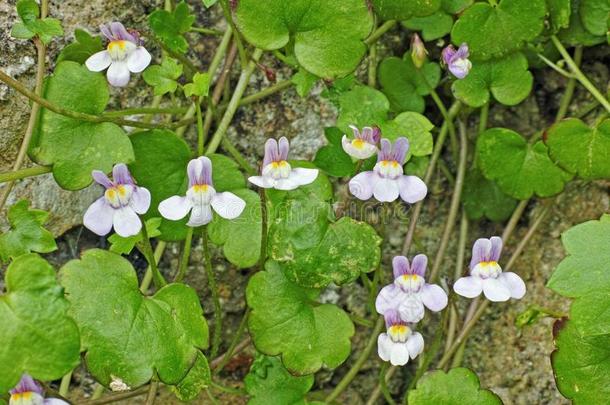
284, 321
75, 147
198, 378
585, 269
404, 85
415, 127
347, 248
403, 10
240, 237
124, 246
163, 77
433, 27
199, 87
455, 6
304, 82
494, 31
362, 106
507, 79
559, 13
153, 335
483, 198
458, 386
579, 149
580, 364
591, 313
331, 158
80, 50
327, 34
520, 169
32, 25
576, 33
38, 336
169, 26
209, 3
417, 166
268, 382
595, 16
27, 233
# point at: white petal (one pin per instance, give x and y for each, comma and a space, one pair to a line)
415, 344
140, 200
468, 287
262, 181
389, 297
384, 346
200, 215
175, 208
411, 309
228, 205
514, 283
98, 217
138, 60
386, 190
365, 152
495, 290
118, 74
98, 61
54, 401
434, 297
361, 185
303, 176
286, 184
412, 189
126, 222
399, 356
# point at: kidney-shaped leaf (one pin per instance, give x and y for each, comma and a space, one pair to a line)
580, 149
458, 386
587, 266
402, 10
482, 197
75, 147
520, 169
506, 78
128, 336
285, 321
327, 34
36, 333
497, 30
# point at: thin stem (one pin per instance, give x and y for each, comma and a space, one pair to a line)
200, 134
555, 67
236, 338
243, 56
145, 110
443, 110
385, 27
83, 116
459, 269
229, 147
580, 75
228, 390
147, 279
150, 257
240, 88
455, 204
214, 289
377, 391
462, 336
213, 399
384, 385
24, 173
263, 255
152, 393
514, 219
207, 31
64, 385
117, 397
483, 117
440, 140
353, 371
372, 73
191, 69
186, 254
241, 346
569, 91
41, 51
98, 391
277, 87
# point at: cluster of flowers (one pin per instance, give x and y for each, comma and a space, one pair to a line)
124, 200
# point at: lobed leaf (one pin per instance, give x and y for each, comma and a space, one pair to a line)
163, 77
170, 26
80, 50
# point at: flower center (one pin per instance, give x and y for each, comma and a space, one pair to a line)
201, 194
399, 333
26, 398
489, 269
388, 168
277, 170
358, 143
119, 196
410, 283
120, 49
463, 64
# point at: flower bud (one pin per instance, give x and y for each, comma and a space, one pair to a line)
418, 51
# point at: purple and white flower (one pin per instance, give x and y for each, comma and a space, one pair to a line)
201, 198
364, 144
400, 343
124, 55
386, 181
486, 274
29, 392
457, 60
277, 173
120, 205
410, 293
